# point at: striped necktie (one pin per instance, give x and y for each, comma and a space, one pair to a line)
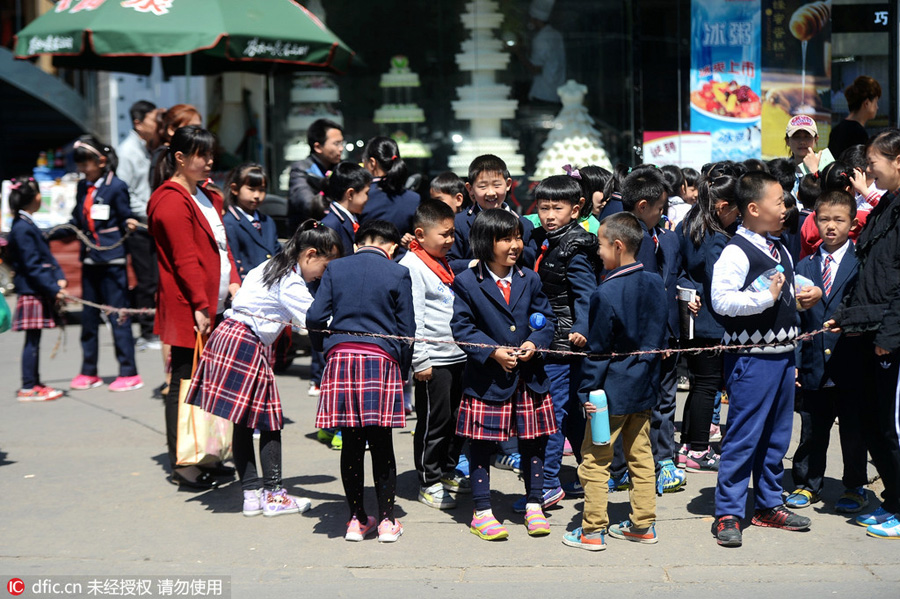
826, 274
773, 250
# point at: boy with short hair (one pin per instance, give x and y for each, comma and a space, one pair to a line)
759, 380
567, 265
627, 314
644, 195
437, 367
450, 189
488, 185
829, 365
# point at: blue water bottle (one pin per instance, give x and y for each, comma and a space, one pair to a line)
600, 418
537, 321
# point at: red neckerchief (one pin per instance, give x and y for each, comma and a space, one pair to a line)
439, 267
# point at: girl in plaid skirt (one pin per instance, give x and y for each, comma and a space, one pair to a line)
362, 385
233, 379
505, 389
39, 282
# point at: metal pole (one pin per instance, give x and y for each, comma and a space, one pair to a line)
188, 59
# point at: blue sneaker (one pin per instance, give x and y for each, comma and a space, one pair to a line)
801, 498
462, 466
594, 541
551, 497
337, 441
626, 530
852, 501
512, 462
670, 478
573, 489
622, 483
879, 516
889, 529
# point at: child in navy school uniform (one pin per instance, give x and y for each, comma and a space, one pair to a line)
627, 314
233, 379
362, 386
389, 199
348, 190
567, 265
103, 213
39, 283
505, 388
488, 185
644, 195
829, 364
759, 380
251, 234
450, 189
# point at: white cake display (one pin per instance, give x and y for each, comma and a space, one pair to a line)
313, 96
485, 102
573, 138
397, 88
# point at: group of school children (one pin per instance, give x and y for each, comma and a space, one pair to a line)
507, 324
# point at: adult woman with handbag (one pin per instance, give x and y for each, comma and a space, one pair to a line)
196, 268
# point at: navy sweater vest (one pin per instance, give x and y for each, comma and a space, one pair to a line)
777, 324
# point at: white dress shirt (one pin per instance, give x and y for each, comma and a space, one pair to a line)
729, 273
287, 299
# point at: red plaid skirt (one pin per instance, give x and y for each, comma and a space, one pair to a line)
234, 380
360, 390
526, 415
35, 312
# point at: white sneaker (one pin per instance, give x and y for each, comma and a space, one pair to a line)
437, 497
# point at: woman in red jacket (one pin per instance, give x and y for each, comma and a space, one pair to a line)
196, 269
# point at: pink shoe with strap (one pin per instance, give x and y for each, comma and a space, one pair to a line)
488, 528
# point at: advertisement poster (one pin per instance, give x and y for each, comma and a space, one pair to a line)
684, 150
725, 76
796, 63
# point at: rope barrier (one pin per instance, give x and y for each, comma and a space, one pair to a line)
87, 240
125, 312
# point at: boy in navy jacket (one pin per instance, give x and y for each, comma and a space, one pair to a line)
488, 184
828, 365
759, 379
644, 195
627, 314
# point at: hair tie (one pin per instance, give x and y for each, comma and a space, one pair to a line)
815, 175
321, 193
629, 170
316, 224
15, 185
572, 172
843, 174
394, 157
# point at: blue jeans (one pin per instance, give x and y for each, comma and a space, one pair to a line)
105, 284
569, 418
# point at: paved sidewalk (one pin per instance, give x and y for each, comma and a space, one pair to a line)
84, 491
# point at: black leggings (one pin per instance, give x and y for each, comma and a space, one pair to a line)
384, 468
245, 458
532, 452
698, 409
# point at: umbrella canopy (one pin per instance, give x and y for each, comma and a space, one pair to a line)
219, 35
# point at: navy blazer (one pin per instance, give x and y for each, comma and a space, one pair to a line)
37, 271
613, 206
460, 254
828, 355
113, 192
398, 209
697, 270
364, 293
250, 247
481, 315
627, 314
336, 221
666, 262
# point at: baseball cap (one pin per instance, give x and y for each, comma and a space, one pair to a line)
802, 122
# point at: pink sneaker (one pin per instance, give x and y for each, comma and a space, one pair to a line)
126, 383
37, 393
84, 381
388, 531
358, 532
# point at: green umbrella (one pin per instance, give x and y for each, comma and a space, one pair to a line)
217, 35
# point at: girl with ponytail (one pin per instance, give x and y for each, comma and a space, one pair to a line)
233, 379
703, 234
388, 198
